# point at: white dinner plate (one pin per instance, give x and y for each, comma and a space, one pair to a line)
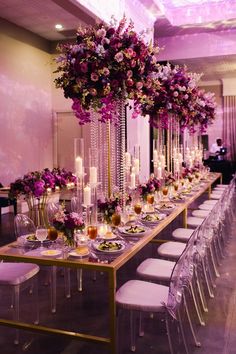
76, 254
109, 246
165, 207
125, 230
51, 253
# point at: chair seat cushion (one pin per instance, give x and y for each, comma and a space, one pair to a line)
211, 202
17, 273
193, 221
201, 213
206, 206
171, 249
215, 196
156, 269
182, 234
142, 295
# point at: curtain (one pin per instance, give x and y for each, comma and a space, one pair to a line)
229, 125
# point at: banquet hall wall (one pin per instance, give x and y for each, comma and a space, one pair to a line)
26, 102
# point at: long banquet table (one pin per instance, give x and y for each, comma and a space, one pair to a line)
12, 252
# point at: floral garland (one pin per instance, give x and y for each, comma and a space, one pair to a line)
106, 64
36, 183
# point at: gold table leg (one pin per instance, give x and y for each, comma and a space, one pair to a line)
185, 215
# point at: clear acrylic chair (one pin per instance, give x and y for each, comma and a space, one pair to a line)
17, 277
138, 296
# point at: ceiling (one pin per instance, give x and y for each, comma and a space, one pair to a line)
40, 17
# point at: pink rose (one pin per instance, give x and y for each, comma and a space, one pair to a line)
139, 85
94, 77
129, 82
106, 71
133, 63
119, 57
129, 73
93, 92
101, 32
175, 94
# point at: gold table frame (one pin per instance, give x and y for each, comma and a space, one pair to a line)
111, 269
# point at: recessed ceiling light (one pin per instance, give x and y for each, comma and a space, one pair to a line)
58, 26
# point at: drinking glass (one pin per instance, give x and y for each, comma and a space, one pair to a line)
165, 191
41, 234
92, 232
52, 234
116, 219
150, 198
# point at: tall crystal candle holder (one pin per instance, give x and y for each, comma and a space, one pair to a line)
94, 211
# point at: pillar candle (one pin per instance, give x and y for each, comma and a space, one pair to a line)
136, 166
79, 166
87, 196
93, 175
127, 159
155, 156
132, 180
162, 160
159, 172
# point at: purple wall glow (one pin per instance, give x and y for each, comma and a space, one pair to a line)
25, 115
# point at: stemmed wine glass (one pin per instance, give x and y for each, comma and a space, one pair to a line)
41, 234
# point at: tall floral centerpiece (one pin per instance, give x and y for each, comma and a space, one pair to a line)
35, 187
108, 64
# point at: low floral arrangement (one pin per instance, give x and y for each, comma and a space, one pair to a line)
107, 63
190, 171
108, 207
35, 184
169, 179
151, 186
68, 223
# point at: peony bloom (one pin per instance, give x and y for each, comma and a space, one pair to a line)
119, 57
94, 77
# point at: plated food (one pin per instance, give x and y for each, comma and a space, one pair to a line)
135, 230
152, 218
166, 206
32, 238
109, 246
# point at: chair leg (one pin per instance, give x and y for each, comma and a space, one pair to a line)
36, 299
132, 332
16, 310
67, 282
196, 305
196, 341
53, 288
141, 331
201, 291
79, 279
169, 335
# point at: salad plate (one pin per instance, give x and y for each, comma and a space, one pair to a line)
133, 230
152, 218
109, 247
32, 238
